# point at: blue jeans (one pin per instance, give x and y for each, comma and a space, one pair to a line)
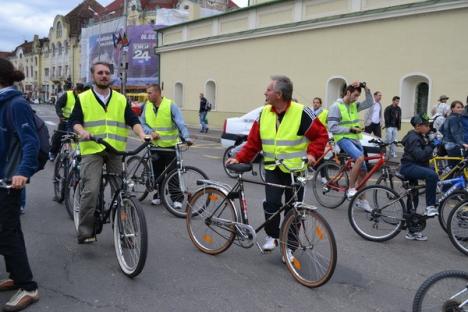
390, 136
353, 149
413, 171
203, 121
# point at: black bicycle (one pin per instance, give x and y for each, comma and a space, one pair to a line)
458, 227
127, 217
175, 186
72, 179
307, 242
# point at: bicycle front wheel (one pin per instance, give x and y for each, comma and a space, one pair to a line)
376, 213
308, 247
457, 227
330, 184
138, 172
130, 237
444, 291
70, 184
447, 205
211, 218
76, 205
60, 175
178, 188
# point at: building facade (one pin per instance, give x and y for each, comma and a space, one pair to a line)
400, 47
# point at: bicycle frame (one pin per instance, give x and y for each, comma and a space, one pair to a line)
459, 166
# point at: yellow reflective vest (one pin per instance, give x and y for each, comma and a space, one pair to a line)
108, 124
323, 117
349, 119
283, 143
68, 108
162, 123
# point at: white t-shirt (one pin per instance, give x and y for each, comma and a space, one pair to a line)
376, 113
442, 109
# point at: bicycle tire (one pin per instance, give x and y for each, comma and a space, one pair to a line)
171, 193
130, 237
430, 289
375, 217
448, 204
336, 189
70, 183
457, 227
201, 230
226, 155
300, 264
60, 175
76, 205
138, 172
261, 169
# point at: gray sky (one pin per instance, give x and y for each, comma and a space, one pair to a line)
22, 19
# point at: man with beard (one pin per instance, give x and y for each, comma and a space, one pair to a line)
102, 113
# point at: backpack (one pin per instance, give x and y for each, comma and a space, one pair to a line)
43, 135
208, 106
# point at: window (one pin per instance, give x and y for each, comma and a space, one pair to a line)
336, 87
179, 94
35, 61
421, 98
58, 30
27, 72
65, 46
53, 49
415, 94
210, 93
66, 71
59, 72
53, 71
59, 48
46, 72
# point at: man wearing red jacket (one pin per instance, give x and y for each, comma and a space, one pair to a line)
284, 130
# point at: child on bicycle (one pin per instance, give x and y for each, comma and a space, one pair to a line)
418, 151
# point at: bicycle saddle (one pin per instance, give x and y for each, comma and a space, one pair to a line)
239, 168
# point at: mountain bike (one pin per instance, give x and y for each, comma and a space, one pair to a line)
62, 164
126, 216
457, 227
306, 240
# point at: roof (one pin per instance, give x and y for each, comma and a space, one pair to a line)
26, 46
147, 5
4, 54
77, 17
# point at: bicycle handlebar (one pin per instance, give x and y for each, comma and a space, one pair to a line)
4, 184
116, 152
381, 143
281, 162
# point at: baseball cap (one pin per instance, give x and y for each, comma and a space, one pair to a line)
443, 97
419, 119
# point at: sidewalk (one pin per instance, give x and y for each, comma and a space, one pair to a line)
213, 135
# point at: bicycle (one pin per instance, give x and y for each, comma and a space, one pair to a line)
310, 255
445, 291
61, 167
72, 179
175, 186
331, 180
127, 218
258, 159
457, 227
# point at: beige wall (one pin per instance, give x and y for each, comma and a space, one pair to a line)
380, 52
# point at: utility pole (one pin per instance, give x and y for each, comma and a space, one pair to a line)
124, 55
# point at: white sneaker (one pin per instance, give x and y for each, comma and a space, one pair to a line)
21, 300
269, 244
363, 204
431, 211
289, 256
177, 205
156, 201
323, 180
419, 236
351, 192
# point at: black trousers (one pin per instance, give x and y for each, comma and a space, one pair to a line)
57, 137
374, 128
273, 196
161, 160
12, 245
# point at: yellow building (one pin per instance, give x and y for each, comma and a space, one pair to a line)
412, 48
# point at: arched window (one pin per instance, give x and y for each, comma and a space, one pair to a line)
53, 49
179, 94
415, 89
59, 48
210, 93
336, 87
58, 31
65, 46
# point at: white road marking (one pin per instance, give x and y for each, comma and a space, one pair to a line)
212, 157
50, 123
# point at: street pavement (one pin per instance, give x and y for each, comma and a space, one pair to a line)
177, 277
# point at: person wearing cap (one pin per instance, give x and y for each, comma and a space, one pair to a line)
440, 111
415, 164
63, 109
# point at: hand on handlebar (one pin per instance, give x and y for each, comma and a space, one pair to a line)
311, 161
84, 135
189, 142
155, 135
18, 182
355, 130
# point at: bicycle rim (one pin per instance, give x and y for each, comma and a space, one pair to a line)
138, 172
130, 237
210, 218
330, 184
312, 245
458, 227
439, 292
76, 205
175, 198
385, 219
447, 205
59, 178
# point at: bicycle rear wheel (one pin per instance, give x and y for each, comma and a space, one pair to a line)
130, 237
330, 184
70, 184
138, 172
448, 204
60, 175
439, 292
457, 227
376, 213
211, 219
175, 198
308, 247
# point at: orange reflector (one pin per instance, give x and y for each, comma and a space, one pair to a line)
207, 238
296, 263
213, 197
123, 215
319, 232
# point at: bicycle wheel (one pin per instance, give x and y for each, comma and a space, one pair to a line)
448, 204
130, 237
70, 184
457, 227
76, 205
226, 155
175, 194
308, 247
60, 175
330, 184
138, 172
211, 218
376, 213
261, 169
444, 291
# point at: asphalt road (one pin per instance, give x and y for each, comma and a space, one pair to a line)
177, 277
